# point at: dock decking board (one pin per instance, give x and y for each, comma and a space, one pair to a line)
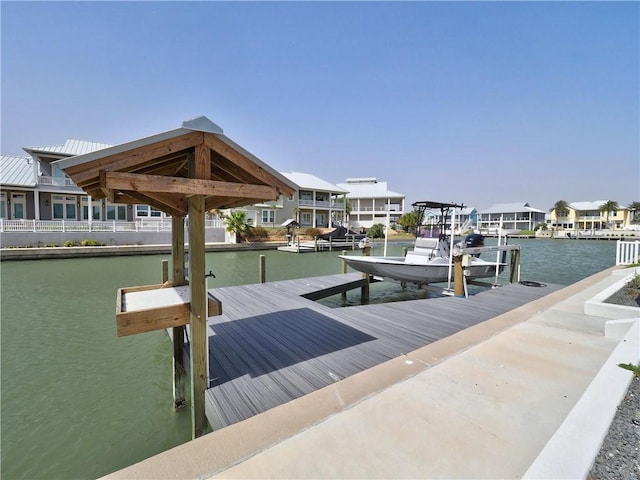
271, 345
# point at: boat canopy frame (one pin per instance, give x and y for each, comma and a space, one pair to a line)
421, 206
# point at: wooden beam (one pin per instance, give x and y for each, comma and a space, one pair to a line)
177, 260
217, 145
174, 206
185, 186
130, 159
198, 168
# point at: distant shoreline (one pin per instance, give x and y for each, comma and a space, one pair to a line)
44, 253
47, 253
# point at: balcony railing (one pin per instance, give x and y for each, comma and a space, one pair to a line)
56, 181
382, 208
317, 204
160, 225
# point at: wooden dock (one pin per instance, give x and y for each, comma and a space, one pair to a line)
321, 245
272, 344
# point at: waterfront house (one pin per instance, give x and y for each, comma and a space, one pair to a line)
372, 202
34, 188
317, 203
17, 180
37, 198
587, 217
512, 216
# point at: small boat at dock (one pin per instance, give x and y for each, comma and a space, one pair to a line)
431, 260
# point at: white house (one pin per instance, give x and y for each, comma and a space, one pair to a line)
317, 204
371, 201
513, 216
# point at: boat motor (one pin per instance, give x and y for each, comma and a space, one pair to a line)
474, 240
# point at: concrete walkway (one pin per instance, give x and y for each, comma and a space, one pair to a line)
530, 393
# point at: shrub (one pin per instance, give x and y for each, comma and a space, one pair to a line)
51, 245
312, 232
70, 243
376, 231
259, 233
89, 243
634, 282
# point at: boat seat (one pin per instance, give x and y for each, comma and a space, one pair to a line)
424, 250
427, 243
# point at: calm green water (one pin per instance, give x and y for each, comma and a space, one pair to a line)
79, 402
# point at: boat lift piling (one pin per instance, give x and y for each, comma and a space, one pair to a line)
459, 278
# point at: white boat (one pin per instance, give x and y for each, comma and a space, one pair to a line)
430, 261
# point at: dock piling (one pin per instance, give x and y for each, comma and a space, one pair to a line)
178, 333
262, 269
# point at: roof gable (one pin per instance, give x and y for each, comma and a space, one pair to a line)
163, 170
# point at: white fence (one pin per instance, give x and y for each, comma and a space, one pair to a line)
627, 253
161, 225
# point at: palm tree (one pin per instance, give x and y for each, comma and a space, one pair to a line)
410, 221
561, 208
634, 207
608, 207
238, 223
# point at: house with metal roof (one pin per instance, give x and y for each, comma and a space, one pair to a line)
372, 202
587, 216
511, 216
317, 204
35, 188
17, 178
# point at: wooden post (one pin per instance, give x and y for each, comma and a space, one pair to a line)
262, 269
343, 295
514, 268
364, 291
198, 319
458, 276
178, 334
165, 271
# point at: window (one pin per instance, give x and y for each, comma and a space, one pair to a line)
146, 211
305, 195
18, 205
3, 205
268, 216
96, 213
64, 208
305, 218
116, 212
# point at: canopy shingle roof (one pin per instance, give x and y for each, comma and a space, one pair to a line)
163, 170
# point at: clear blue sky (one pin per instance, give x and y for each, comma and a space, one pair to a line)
478, 103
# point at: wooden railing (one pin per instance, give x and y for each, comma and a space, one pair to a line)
627, 253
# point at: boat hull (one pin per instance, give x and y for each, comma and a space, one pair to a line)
436, 271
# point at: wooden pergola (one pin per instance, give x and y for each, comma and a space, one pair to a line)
183, 172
